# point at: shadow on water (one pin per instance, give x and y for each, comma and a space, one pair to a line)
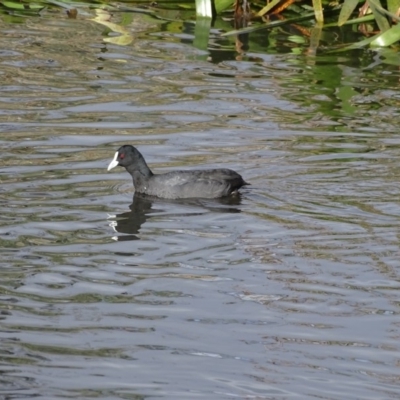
144, 207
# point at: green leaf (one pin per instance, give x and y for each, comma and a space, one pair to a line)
360, 20
383, 11
268, 7
380, 18
387, 38
14, 5
393, 6
296, 39
23, 8
204, 8
346, 11
222, 5
269, 25
319, 15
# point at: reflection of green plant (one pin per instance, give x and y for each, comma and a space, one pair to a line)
376, 20
103, 17
26, 7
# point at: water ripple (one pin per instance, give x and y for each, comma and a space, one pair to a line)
288, 291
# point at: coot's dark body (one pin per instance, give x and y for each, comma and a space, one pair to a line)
209, 183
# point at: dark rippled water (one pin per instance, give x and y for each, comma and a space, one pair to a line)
288, 292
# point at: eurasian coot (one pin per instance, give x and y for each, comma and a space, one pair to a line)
207, 183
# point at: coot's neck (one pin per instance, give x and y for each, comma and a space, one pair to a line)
140, 173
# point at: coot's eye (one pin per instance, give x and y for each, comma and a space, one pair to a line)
122, 156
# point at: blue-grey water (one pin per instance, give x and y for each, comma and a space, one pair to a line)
290, 291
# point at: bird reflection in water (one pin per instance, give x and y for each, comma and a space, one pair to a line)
129, 223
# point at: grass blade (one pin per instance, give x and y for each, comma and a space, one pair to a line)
204, 8
268, 7
319, 15
393, 6
222, 5
387, 38
347, 9
381, 20
361, 20
269, 25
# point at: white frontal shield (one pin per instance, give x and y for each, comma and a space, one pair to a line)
113, 163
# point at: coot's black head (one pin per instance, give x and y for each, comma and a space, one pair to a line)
126, 155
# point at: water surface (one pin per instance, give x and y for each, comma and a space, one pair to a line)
288, 292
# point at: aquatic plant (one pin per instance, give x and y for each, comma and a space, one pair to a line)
377, 22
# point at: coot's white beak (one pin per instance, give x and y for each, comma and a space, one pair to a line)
113, 163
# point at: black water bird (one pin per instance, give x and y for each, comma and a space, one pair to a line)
207, 183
